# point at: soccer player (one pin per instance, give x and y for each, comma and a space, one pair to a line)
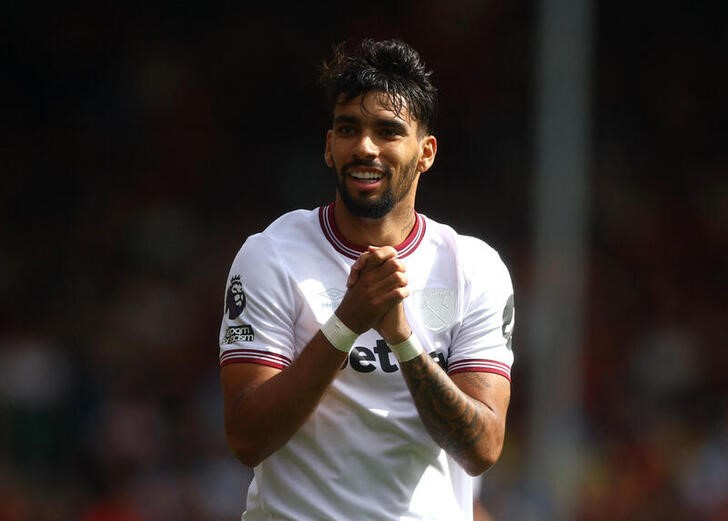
365, 349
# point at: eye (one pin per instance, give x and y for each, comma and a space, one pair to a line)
391, 131
345, 130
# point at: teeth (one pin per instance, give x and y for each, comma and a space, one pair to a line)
366, 176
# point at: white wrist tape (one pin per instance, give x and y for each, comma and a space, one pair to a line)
408, 349
340, 336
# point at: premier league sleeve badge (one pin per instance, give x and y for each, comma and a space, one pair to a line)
235, 299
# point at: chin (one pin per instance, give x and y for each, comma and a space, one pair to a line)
369, 209
367, 205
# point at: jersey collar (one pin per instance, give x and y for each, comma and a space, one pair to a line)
351, 250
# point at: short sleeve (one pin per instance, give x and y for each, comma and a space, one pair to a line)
483, 341
260, 307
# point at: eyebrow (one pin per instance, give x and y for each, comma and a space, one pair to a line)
379, 122
346, 119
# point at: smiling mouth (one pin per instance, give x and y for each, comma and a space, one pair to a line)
367, 176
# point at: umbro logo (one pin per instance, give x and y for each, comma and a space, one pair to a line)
331, 298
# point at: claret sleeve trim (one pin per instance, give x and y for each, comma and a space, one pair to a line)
480, 366
254, 356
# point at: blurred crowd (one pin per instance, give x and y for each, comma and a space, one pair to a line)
141, 148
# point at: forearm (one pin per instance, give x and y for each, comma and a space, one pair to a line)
471, 432
261, 416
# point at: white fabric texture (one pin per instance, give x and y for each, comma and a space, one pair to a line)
364, 452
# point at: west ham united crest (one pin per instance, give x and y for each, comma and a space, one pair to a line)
437, 307
235, 300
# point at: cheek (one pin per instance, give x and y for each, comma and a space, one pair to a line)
334, 156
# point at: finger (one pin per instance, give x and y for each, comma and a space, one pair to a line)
391, 273
392, 282
352, 278
391, 266
381, 254
379, 262
397, 295
361, 261
356, 268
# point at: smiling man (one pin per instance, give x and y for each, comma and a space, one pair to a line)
372, 142
373, 376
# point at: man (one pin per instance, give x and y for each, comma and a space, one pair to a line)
366, 374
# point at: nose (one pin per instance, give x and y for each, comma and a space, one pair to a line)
365, 147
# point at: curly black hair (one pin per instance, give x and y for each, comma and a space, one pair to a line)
390, 67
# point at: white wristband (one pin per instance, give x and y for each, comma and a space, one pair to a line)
338, 334
408, 349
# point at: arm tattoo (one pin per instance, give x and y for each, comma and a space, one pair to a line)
454, 420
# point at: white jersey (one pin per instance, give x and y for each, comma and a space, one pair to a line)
364, 453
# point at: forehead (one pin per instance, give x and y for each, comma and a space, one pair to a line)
375, 105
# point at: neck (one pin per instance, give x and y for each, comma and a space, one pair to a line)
390, 230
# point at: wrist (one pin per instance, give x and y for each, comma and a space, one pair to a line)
407, 349
339, 334
397, 337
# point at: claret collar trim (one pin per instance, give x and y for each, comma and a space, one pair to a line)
351, 250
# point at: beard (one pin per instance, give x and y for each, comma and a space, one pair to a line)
376, 208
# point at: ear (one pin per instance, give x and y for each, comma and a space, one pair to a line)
327, 150
428, 150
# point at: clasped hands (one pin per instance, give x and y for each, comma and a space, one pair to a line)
376, 289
